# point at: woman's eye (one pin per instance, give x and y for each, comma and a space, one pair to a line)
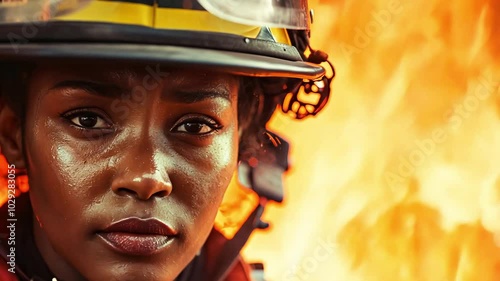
196, 127
88, 120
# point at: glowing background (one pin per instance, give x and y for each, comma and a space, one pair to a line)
399, 177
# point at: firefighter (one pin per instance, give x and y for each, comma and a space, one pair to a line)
130, 119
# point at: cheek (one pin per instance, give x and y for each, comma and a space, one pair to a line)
209, 175
56, 183
61, 177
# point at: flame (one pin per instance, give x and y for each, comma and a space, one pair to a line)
398, 179
20, 180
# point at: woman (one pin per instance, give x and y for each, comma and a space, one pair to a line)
130, 135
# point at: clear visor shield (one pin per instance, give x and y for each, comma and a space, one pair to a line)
291, 14
12, 11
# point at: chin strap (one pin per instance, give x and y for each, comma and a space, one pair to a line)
263, 174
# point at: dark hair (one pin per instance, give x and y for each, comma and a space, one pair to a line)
13, 85
251, 102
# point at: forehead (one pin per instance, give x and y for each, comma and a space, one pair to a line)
131, 75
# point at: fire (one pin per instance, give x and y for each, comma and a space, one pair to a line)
398, 179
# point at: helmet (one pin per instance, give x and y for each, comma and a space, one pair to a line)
269, 41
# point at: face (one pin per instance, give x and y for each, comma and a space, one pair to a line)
127, 166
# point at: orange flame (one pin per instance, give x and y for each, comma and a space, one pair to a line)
398, 179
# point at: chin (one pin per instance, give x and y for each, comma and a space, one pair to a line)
132, 272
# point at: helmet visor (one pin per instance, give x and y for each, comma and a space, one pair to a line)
291, 14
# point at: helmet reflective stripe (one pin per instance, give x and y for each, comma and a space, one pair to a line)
165, 18
292, 14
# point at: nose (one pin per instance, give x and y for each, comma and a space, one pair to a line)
142, 175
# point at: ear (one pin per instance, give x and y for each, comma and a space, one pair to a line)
11, 136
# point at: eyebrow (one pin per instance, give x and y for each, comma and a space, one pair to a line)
112, 90
94, 88
199, 95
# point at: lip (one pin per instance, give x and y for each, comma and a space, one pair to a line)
138, 237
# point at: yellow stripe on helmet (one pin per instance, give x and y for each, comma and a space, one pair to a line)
171, 18
114, 12
165, 18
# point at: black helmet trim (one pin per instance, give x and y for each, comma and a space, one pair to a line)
72, 40
64, 31
223, 61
